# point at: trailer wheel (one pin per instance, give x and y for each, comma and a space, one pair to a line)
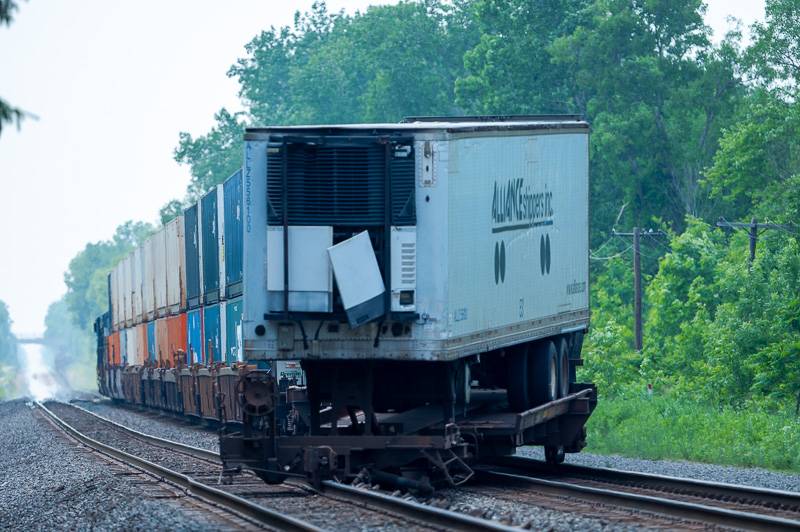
543, 364
563, 368
554, 454
518, 381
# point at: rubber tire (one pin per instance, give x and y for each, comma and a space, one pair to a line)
563, 368
554, 454
543, 378
463, 376
518, 383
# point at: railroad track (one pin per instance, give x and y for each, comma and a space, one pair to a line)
687, 500
289, 506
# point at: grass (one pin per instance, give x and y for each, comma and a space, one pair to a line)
664, 428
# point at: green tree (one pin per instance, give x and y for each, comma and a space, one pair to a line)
86, 276
775, 53
212, 157
8, 113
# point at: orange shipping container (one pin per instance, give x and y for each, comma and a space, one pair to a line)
176, 331
162, 341
141, 339
113, 349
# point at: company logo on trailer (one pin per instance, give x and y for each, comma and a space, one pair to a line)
515, 205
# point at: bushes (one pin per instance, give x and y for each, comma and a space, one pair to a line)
669, 428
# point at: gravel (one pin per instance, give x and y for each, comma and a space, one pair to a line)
716, 473
48, 482
155, 424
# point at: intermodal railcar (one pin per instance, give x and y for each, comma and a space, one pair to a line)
394, 300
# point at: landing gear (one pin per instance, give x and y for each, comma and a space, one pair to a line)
554, 454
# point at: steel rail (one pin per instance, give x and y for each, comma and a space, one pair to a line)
769, 498
335, 490
446, 519
234, 503
197, 452
657, 505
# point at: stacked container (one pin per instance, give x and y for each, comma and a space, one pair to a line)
149, 274
192, 256
232, 232
175, 266
160, 261
209, 247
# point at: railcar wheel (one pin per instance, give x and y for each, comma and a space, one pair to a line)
563, 368
554, 454
543, 363
518, 381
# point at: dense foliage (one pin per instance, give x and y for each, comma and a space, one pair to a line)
684, 132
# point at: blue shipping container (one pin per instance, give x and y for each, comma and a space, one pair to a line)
232, 192
211, 334
191, 247
233, 331
194, 336
210, 250
151, 341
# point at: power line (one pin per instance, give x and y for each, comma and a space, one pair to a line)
753, 227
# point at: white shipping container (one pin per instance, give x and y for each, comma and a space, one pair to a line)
497, 255
176, 259
137, 277
127, 303
113, 295
149, 281
160, 261
132, 346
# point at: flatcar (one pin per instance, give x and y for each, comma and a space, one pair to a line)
393, 300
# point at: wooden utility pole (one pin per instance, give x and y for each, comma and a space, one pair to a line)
637, 291
637, 281
754, 226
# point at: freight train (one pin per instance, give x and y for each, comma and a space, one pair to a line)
393, 300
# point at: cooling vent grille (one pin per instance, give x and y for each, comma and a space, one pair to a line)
408, 264
340, 184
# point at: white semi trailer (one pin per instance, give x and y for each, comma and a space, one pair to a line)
426, 274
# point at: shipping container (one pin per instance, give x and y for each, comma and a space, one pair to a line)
123, 345
162, 342
221, 240
160, 261
141, 343
176, 275
211, 334
233, 235
176, 332
132, 345
113, 295
149, 280
192, 256
127, 300
114, 353
233, 331
137, 280
152, 354
194, 336
478, 236
209, 250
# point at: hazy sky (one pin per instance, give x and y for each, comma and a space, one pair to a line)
113, 83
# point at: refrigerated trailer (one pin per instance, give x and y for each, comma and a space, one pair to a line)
432, 279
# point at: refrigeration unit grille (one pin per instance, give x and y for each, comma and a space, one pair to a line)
341, 184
